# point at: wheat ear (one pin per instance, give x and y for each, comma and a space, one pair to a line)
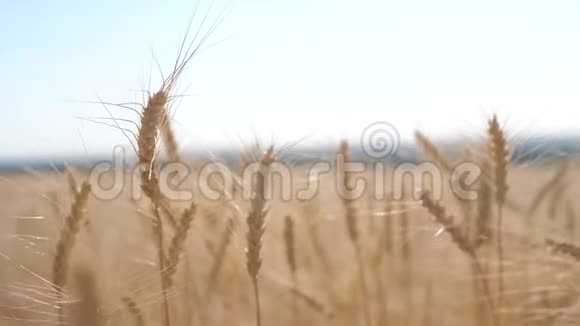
499, 155
152, 119
177, 244
220, 256
256, 225
352, 227
67, 241
461, 240
434, 154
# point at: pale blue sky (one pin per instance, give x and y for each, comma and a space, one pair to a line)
289, 68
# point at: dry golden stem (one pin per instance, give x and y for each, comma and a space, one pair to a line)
162, 260
290, 251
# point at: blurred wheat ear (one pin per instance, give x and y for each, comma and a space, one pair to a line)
66, 243
256, 225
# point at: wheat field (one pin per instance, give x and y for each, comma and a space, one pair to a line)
72, 258
508, 256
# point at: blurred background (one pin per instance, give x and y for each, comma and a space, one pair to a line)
299, 72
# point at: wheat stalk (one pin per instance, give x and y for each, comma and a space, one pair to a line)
483, 232
406, 253
290, 251
256, 225
158, 233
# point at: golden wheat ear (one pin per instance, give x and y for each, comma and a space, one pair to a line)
66, 242
256, 224
462, 241
447, 222
499, 155
219, 258
177, 245
352, 226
